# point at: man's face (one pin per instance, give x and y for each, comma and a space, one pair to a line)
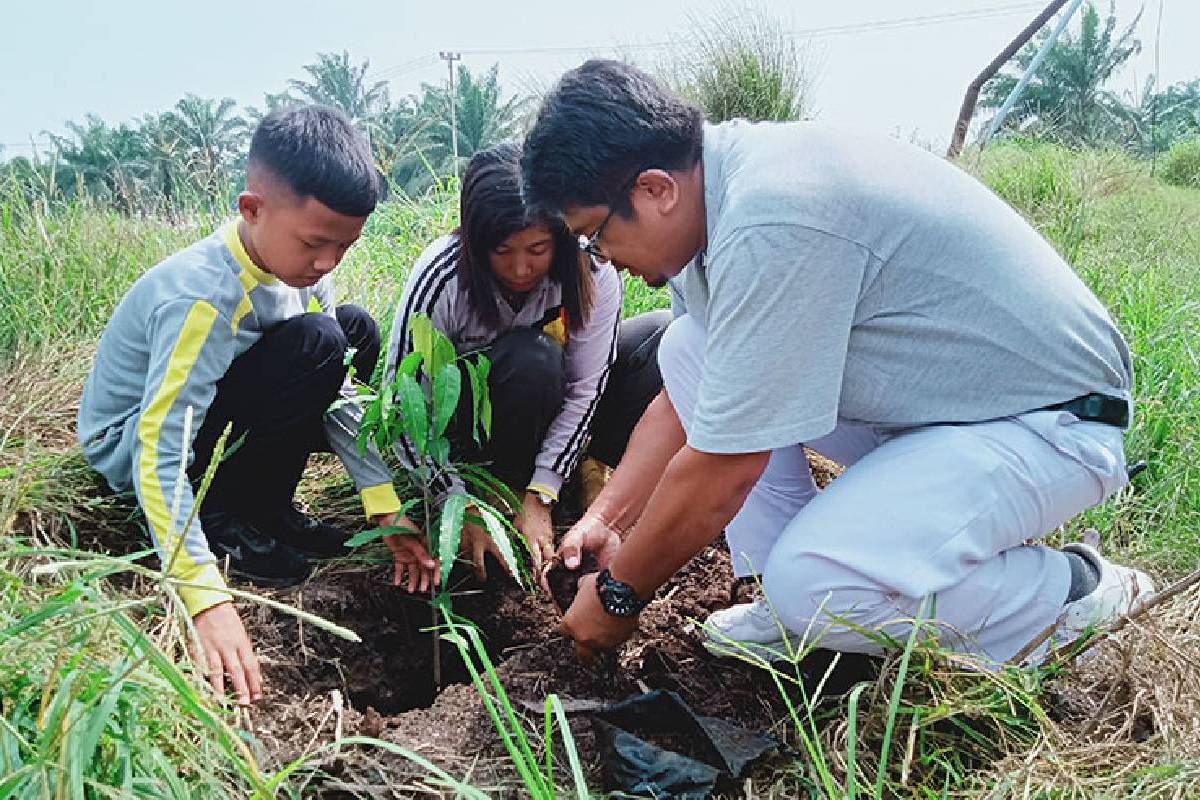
657, 240
297, 239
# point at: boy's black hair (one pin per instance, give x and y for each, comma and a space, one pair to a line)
491, 209
602, 124
318, 153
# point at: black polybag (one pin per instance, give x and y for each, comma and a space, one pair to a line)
635, 766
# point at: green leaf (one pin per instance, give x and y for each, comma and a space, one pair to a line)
439, 451
484, 398
496, 523
473, 378
371, 534
408, 364
443, 351
488, 484
447, 386
414, 413
450, 526
421, 329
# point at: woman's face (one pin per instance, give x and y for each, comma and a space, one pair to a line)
523, 259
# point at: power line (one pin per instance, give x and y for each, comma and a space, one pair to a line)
828, 30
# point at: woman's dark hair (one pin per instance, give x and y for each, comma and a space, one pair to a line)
492, 209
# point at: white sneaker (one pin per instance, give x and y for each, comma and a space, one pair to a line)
747, 628
1119, 591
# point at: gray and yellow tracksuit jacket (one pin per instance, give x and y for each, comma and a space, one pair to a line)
169, 341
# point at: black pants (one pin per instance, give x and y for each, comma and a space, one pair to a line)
526, 386
276, 394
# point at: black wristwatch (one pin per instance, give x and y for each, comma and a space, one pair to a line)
618, 597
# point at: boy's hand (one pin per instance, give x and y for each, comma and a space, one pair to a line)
229, 652
413, 564
534, 524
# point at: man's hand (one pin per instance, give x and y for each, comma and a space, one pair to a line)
592, 534
413, 564
534, 524
228, 651
593, 628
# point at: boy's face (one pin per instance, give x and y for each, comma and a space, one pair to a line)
297, 239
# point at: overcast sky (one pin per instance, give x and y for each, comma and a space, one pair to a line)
890, 66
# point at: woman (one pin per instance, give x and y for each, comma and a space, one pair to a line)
564, 367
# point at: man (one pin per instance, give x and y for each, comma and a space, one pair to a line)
868, 300
241, 328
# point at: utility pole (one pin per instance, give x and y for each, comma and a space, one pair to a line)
968, 105
450, 57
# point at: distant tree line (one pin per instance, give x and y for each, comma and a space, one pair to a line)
194, 153
1068, 99
740, 62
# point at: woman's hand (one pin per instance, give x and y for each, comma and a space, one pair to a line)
534, 523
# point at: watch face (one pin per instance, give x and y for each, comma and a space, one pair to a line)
618, 598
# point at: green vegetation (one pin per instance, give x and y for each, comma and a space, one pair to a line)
1182, 164
1067, 100
96, 691
740, 62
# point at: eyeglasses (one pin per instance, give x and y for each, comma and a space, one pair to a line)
591, 244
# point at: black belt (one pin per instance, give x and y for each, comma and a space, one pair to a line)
1096, 408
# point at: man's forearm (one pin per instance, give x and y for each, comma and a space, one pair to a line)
655, 440
697, 497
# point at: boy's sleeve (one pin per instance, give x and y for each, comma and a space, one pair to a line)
191, 347
371, 476
591, 352
782, 300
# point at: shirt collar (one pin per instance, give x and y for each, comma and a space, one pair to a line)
233, 241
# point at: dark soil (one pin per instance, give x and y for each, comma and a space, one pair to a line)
564, 583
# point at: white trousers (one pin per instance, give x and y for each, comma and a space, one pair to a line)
943, 511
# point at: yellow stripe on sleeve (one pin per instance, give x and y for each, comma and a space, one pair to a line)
195, 330
380, 499
541, 487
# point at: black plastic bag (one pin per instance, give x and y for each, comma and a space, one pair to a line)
718, 750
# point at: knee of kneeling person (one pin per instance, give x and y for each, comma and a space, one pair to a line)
358, 326
319, 341
809, 587
529, 352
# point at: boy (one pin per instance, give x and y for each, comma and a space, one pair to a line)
871, 301
241, 328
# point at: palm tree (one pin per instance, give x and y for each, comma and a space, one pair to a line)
272, 101
210, 135
401, 145
1067, 98
109, 163
336, 82
482, 119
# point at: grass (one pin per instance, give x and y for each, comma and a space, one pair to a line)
94, 701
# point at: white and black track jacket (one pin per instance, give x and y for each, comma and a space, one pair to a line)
433, 288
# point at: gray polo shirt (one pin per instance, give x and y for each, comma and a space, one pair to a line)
861, 279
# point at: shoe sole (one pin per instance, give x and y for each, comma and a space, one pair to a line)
771, 651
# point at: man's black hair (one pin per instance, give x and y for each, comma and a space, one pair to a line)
318, 153
601, 125
491, 209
